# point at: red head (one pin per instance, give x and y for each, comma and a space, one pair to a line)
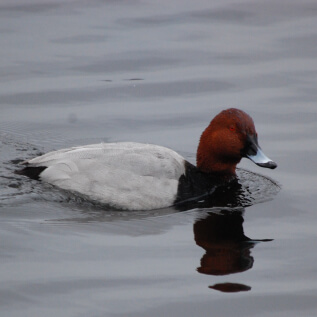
230, 136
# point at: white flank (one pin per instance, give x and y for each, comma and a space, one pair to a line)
125, 175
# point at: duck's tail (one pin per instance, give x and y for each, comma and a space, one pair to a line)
31, 171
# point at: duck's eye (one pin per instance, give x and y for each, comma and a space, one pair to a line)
232, 128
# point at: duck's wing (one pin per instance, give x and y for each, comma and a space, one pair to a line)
138, 158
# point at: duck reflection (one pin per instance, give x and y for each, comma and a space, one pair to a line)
219, 231
230, 287
227, 248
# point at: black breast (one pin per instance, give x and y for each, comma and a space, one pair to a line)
196, 185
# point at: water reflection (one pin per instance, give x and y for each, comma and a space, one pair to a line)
228, 250
230, 287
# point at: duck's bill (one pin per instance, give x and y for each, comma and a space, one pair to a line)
261, 159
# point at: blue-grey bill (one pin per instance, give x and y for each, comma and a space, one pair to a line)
262, 160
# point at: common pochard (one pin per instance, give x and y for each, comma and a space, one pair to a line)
136, 176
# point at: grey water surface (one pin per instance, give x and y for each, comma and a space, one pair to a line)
80, 72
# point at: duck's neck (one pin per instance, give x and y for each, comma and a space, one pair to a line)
210, 164
210, 160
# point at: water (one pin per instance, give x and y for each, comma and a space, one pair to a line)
95, 71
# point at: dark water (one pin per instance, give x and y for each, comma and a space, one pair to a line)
80, 72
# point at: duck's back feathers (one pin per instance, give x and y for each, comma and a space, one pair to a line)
124, 175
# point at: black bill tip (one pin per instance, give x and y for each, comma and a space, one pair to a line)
269, 164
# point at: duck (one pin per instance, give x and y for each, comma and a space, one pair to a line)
137, 176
